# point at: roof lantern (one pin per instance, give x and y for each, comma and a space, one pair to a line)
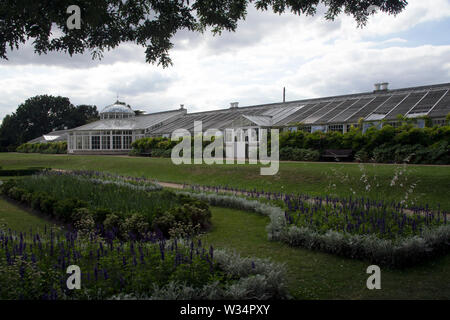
118, 110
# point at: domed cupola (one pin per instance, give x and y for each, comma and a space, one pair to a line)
118, 110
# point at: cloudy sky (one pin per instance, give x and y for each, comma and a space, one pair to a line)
309, 56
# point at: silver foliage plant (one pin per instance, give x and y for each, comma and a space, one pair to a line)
404, 252
259, 279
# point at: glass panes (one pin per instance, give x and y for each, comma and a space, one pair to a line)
86, 143
79, 142
127, 142
106, 142
336, 127
95, 142
306, 128
117, 142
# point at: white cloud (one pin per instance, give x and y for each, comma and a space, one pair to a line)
310, 56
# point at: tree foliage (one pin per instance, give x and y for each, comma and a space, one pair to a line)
40, 115
149, 23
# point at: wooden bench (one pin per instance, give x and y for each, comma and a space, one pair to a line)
337, 153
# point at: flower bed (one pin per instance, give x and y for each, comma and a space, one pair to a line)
33, 266
411, 241
123, 205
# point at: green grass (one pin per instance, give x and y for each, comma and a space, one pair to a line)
316, 275
433, 182
19, 219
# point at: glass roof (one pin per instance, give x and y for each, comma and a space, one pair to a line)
117, 107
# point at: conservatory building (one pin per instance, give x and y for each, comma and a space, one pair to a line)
116, 130
120, 125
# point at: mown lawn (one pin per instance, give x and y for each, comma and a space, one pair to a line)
428, 184
18, 219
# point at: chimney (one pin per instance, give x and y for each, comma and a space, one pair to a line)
234, 105
181, 106
384, 86
376, 87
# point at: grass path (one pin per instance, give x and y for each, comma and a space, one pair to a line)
316, 275
19, 219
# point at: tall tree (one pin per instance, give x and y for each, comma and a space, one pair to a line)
8, 133
41, 114
149, 23
82, 114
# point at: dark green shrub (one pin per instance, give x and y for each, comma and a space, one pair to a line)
26, 198
64, 209
20, 172
188, 214
439, 153
298, 154
46, 204
286, 153
164, 223
16, 193
36, 199
45, 147
8, 184
135, 225
79, 214
362, 156
100, 214
113, 222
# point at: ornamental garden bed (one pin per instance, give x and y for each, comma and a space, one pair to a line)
120, 241
111, 203
383, 233
33, 265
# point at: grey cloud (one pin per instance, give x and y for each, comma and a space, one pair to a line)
126, 52
358, 72
141, 84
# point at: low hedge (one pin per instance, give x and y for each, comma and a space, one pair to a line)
45, 147
428, 145
299, 154
20, 172
438, 153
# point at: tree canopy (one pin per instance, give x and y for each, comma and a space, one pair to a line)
149, 23
40, 115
